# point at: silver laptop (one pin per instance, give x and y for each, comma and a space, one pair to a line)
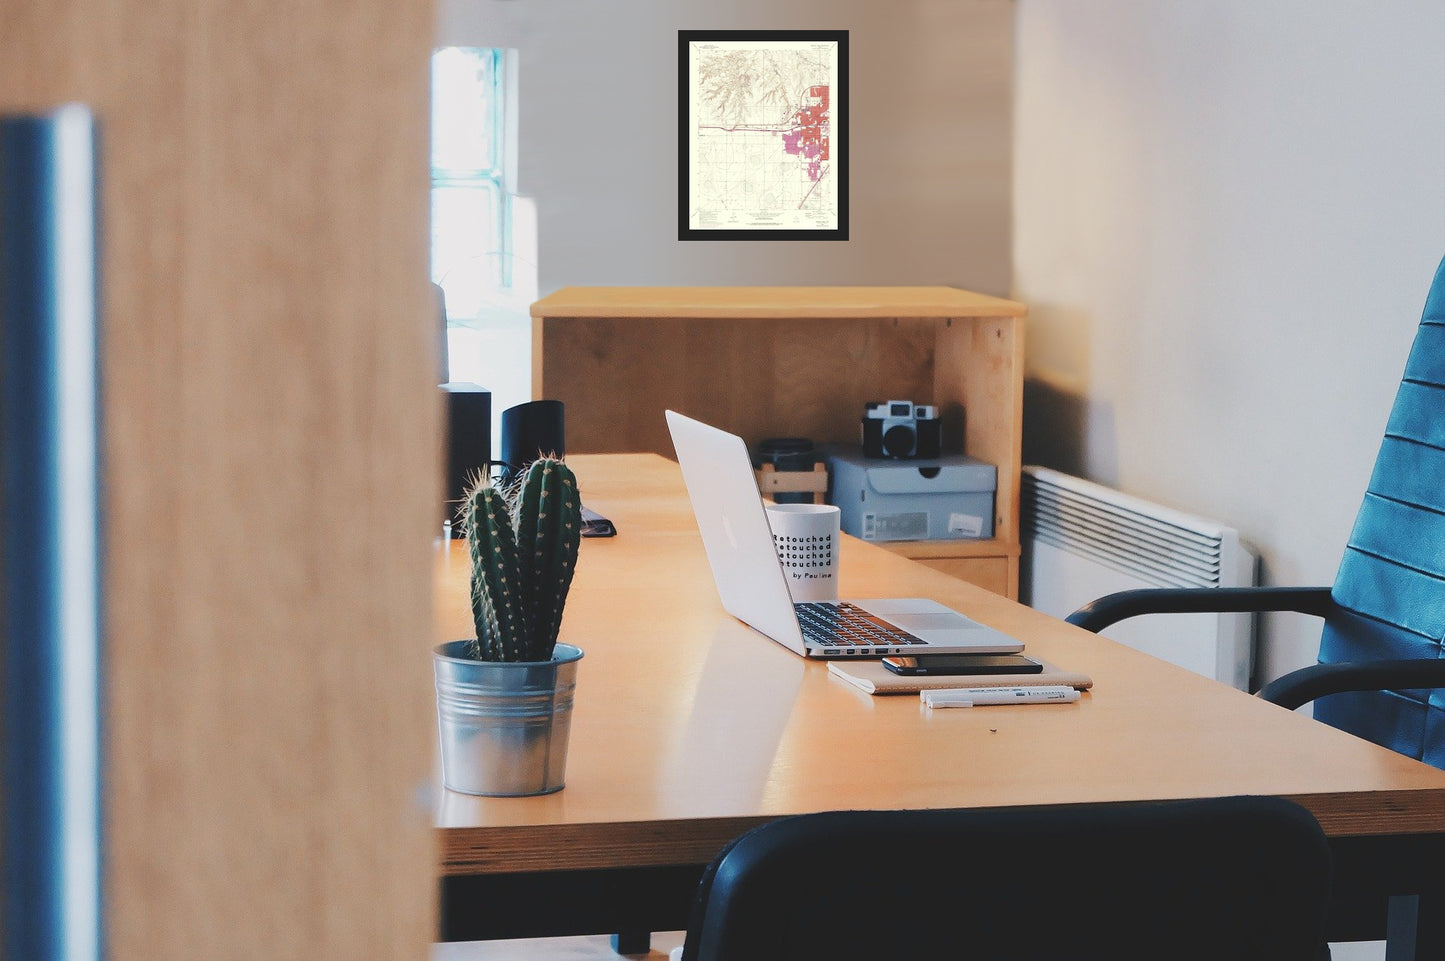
754, 588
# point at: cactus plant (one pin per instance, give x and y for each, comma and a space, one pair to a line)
523, 544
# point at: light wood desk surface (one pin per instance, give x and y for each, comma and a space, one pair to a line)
689, 727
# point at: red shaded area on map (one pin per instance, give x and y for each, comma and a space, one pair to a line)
808, 137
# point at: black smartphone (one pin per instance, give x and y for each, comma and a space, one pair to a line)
595, 525
911, 665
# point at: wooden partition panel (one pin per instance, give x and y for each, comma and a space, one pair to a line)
271, 446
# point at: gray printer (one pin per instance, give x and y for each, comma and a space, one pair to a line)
943, 498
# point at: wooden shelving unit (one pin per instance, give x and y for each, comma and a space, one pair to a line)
799, 361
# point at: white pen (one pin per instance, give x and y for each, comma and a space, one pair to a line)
982, 696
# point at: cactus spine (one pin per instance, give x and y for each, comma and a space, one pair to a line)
524, 551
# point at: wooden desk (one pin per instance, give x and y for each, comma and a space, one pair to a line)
690, 728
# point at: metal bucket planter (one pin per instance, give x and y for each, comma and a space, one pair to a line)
504, 726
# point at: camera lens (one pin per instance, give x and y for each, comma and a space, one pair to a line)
898, 440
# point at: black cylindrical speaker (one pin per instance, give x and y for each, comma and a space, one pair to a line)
469, 442
530, 431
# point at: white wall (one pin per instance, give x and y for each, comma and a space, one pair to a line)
1227, 216
930, 140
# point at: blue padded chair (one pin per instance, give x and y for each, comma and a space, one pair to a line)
1240, 878
1381, 665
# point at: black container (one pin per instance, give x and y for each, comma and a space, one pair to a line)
788, 454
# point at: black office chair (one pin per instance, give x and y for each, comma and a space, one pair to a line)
1381, 651
1238, 878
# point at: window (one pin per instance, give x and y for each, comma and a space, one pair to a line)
483, 234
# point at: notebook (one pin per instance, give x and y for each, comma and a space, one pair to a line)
753, 587
873, 677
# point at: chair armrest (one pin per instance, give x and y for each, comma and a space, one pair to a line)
1099, 614
1304, 685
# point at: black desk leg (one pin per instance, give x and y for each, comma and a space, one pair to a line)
632, 942
1416, 928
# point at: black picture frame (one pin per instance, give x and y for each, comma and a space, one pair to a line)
811, 129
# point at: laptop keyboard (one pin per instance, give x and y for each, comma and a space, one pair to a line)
849, 628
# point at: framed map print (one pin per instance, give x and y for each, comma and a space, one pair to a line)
763, 135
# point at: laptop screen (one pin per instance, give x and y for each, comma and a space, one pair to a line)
734, 528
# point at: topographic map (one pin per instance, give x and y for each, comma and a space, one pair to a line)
762, 134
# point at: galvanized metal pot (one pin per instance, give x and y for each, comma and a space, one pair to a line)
504, 726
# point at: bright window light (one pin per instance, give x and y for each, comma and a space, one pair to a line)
483, 251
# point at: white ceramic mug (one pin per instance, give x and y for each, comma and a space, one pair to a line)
806, 538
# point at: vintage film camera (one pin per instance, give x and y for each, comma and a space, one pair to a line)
901, 429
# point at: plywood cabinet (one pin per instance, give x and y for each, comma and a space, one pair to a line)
800, 361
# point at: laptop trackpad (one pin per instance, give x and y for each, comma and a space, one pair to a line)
949, 629
923, 624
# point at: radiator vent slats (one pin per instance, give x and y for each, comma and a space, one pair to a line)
1161, 547
1081, 541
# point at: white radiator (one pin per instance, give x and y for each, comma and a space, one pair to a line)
1082, 541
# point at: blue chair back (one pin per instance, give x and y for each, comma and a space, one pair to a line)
1390, 589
